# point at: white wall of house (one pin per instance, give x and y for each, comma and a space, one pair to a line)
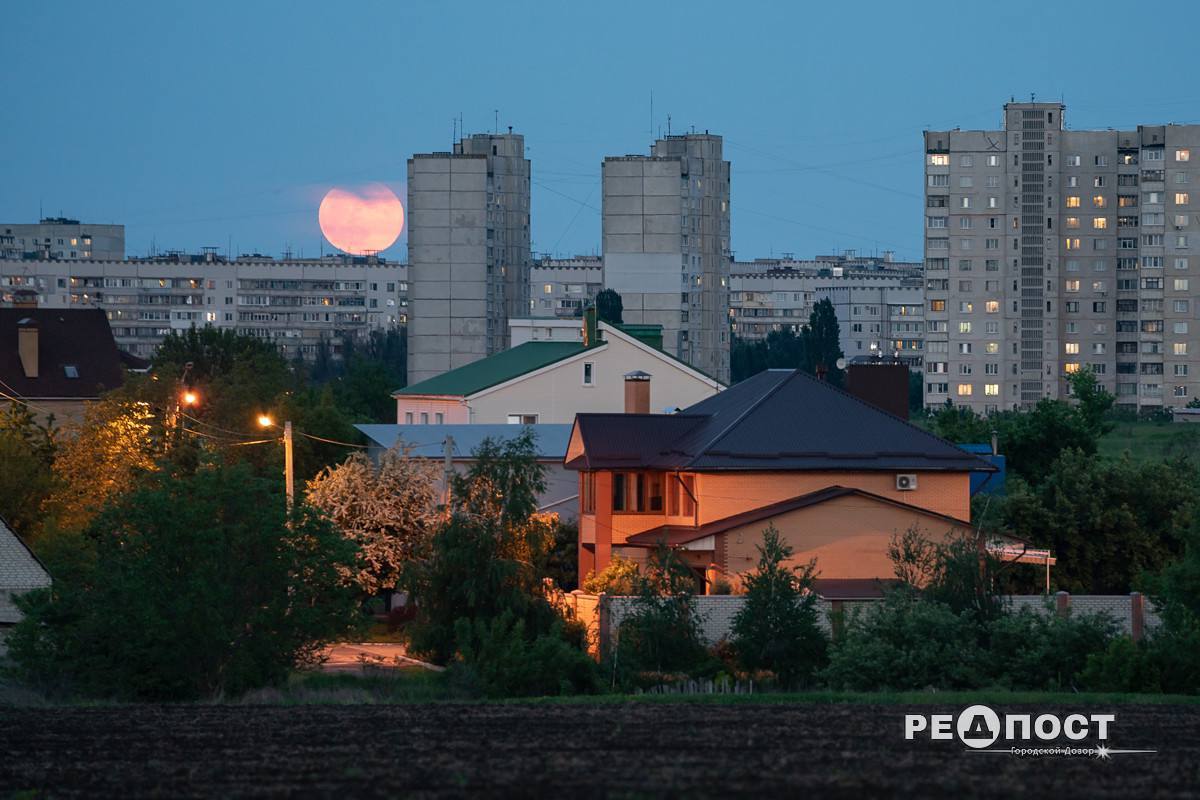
558, 392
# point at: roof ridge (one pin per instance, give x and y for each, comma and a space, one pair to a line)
757, 402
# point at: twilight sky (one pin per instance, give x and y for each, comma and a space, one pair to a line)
224, 123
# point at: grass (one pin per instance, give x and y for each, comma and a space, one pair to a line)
1150, 441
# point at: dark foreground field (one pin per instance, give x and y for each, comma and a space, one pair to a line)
573, 750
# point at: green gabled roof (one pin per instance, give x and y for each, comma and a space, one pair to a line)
494, 370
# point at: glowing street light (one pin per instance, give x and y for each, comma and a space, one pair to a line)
289, 474
265, 421
190, 398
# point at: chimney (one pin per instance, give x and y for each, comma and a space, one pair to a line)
591, 330
27, 346
637, 392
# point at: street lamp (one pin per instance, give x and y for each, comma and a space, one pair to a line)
289, 476
190, 398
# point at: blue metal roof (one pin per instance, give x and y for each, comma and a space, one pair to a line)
427, 440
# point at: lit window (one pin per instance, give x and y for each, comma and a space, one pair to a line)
966, 307
964, 390
1072, 286
1072, 202
937, 305
1098, 201
991, 389
1071, 368
1183, 154
964, 327
1100, 223
1072, 244
992, 348
992, 306
548, 288
1072, 222
1181, 198
1072, 348
939, 160
1181, 284
1180, 348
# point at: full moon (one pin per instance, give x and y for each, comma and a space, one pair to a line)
365, 221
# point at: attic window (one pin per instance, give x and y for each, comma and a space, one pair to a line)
70, 370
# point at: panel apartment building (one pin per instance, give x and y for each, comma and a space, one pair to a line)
563, 287
294, 303
666, 244
62, 238
1049, 250
468, 250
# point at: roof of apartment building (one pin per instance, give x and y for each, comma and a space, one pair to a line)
76, 355
776, 420
20, 571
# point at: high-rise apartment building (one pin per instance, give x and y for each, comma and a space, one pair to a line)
666, 245
1050, 250
563, 287
295, 303
62, 238
468, 249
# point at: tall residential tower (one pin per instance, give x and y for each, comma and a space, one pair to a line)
666, 245
1049, 250
468, 249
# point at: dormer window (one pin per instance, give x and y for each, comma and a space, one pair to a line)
71, 371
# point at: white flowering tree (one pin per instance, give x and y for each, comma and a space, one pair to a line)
388, 509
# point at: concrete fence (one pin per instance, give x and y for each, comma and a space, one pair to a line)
603, 614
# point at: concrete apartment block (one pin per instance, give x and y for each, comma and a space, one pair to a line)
60, 238
666, 244
294, 303
562, 287
1049, 250
468, 235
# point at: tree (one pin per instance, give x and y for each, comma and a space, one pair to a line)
955, 571
1107, 520
1093, 402
200, 588
388, 510
776, 629
609, 307
916, 391
27, 450
822, 343
100, 459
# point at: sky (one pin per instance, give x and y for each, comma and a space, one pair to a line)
224, 123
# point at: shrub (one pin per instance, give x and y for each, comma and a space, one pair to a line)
499, 660
776, 629
620, 577
904, 643
1123, 666
1028, 650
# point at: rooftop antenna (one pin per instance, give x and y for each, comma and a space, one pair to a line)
652, 114
496, 124
668, 124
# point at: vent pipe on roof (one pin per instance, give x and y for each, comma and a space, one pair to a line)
27, 346
637, 392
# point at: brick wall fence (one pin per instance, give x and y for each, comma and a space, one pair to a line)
603, 614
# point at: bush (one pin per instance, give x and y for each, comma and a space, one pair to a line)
197, 587
1124, 666
903, 643
499, 660
1028, 650
620, 578
776, 629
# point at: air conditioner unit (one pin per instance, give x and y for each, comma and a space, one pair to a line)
906, 483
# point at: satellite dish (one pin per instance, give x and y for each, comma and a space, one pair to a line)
841, 363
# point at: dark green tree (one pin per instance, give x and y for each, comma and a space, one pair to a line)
822, 343
199, 587
776, 629
27, 450
609, 307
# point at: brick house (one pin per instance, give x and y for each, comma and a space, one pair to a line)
837, 476
20, 572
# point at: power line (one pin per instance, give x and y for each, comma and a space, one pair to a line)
330, 441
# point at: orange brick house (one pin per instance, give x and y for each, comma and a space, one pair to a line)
836, 476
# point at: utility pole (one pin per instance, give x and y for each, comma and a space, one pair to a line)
447, 468
289, 473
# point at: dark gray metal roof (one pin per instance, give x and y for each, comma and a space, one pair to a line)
776, 420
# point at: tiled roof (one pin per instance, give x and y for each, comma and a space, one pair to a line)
77, 338
494, 370
776, 420
20, 571
680, 534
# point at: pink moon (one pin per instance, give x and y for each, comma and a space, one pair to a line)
366, 221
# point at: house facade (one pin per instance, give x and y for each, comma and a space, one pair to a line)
549, 381
20, 572
836, 476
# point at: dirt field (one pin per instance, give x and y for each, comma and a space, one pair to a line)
631, 750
